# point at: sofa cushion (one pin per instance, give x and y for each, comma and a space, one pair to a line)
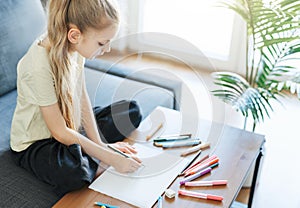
149, 75
7, 107
104, 89
16, 34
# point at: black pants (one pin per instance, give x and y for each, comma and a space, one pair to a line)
67, 168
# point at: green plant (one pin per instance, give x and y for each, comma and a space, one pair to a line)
273, 48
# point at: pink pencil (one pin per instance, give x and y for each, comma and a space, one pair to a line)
206, 183
200, 195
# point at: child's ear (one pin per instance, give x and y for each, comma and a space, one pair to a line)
74, 35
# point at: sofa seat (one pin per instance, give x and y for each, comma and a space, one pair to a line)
20, 189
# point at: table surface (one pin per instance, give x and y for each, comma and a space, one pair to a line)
237, 151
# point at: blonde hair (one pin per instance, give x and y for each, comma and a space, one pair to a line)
96, 14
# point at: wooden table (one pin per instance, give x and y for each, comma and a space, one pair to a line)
238, 151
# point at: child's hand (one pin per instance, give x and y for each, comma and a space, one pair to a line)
125, 147
123, 164
126, 165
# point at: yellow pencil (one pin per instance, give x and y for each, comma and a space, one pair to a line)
154, 132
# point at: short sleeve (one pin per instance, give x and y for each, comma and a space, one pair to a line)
38, 87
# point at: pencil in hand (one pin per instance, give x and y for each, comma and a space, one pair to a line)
125, 155
154, 132
117, 151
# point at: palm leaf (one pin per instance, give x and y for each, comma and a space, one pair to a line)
287, 78
280, 65
272, 50
237, 92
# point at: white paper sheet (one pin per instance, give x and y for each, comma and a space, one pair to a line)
161, 167
155, 162
137, 190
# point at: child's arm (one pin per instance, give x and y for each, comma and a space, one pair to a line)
90, 125
57, 126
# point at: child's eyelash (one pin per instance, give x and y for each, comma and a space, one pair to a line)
101, 44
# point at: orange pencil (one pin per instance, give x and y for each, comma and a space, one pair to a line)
198, 162
204, 160
200, 167
154, 132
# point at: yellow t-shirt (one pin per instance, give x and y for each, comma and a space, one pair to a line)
35, 86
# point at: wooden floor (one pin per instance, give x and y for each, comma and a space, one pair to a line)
279, 180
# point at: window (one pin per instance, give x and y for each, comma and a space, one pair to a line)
193, 20
208, 28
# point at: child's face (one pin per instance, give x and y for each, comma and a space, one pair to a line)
93, 43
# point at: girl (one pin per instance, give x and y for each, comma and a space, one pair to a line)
53, 105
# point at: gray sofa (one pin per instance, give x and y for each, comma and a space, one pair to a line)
21, 21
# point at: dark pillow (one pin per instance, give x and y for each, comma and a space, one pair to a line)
21, 22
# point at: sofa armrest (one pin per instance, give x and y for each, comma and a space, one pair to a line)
140, 75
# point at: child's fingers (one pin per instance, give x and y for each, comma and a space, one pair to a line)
131, 149
125, 147
136, 159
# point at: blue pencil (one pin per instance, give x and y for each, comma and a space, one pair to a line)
159, 202
179, 143
105, 205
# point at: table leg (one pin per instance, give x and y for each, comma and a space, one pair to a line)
254, 180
